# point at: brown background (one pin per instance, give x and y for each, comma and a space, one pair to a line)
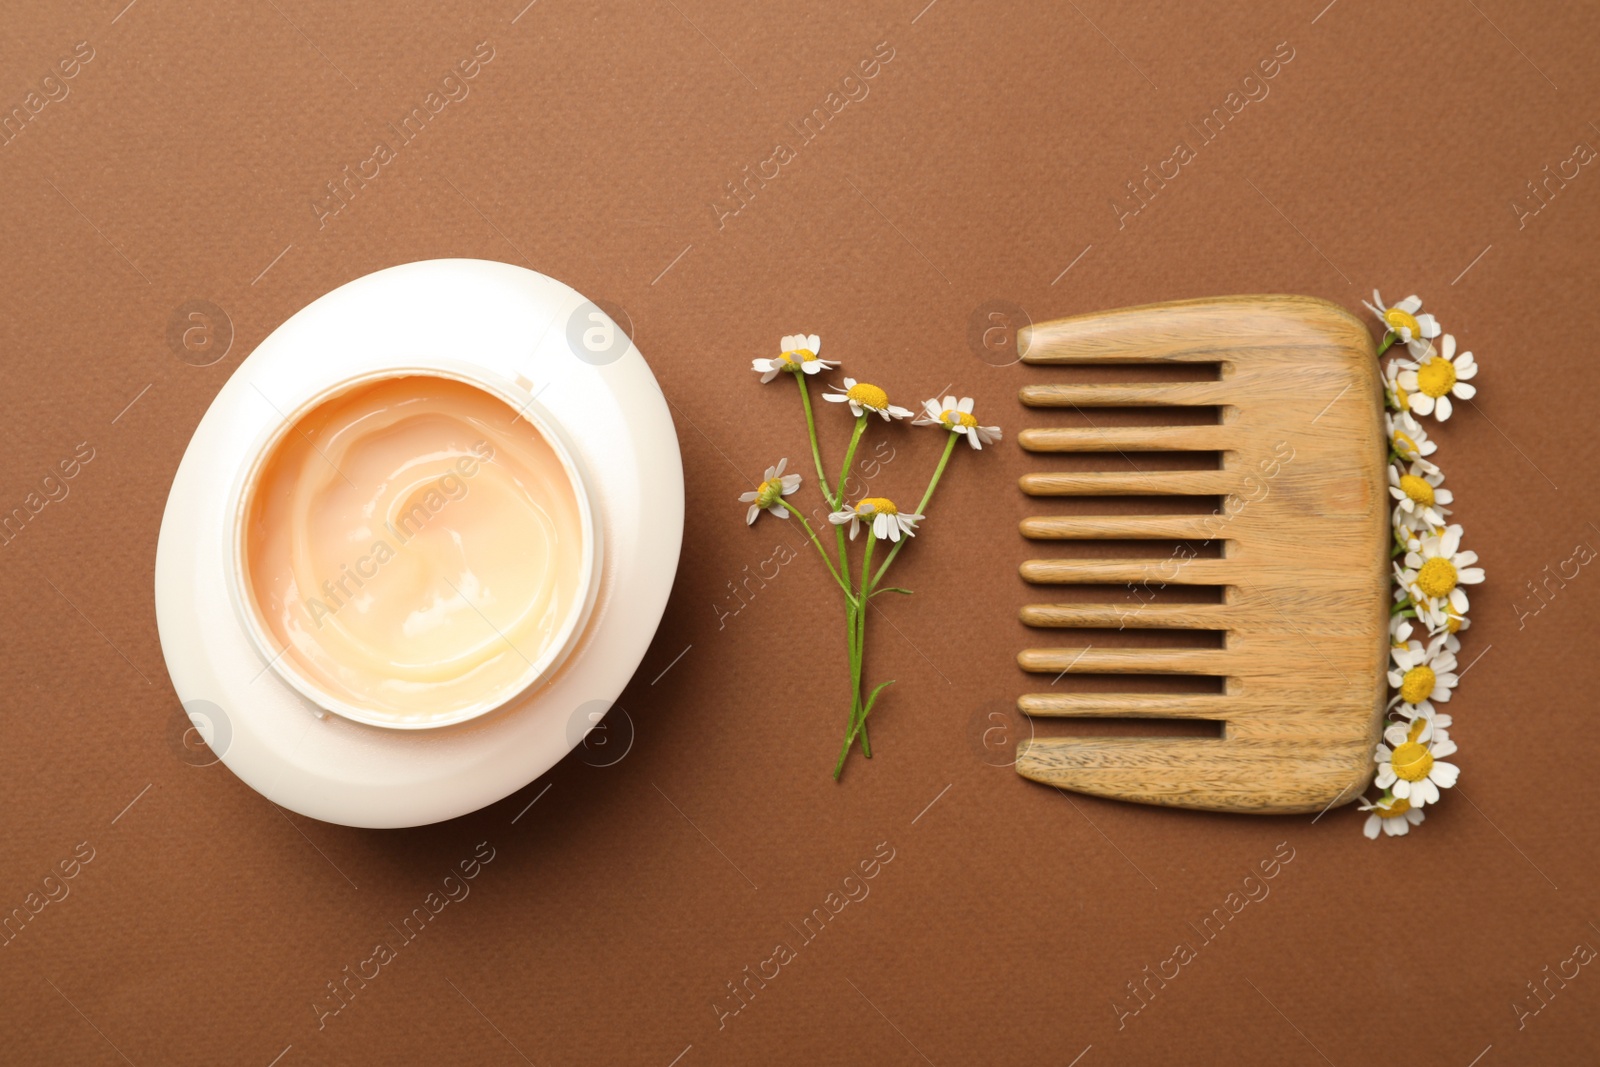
182, 167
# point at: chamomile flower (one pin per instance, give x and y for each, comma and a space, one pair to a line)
1420, 496
1423, 672
1404, 650
797, 355
1400, 630
1407, 439
1394, 816
1403, 321
1435, 724
1415, 771
1396, 398
1433, 575
956, 416
768, 495
884, 520
863, 398
1435, 377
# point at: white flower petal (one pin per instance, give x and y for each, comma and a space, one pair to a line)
1423, 793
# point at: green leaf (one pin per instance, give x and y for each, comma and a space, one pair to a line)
892, 589
873, 699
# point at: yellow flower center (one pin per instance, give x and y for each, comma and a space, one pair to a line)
868, 396
1404, 445
952, 417
1401, 320
1437, 577
1395, 808
1417, 489
1417, 684
1452, 620
769, 492
877, 505
1412, 762
1436, 377
795, 357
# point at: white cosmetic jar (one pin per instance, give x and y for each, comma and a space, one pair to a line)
313, 393
535, 343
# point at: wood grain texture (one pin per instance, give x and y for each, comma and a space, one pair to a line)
1303, 531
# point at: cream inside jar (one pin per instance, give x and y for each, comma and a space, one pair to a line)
415, 548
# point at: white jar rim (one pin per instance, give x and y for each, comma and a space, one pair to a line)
312, 393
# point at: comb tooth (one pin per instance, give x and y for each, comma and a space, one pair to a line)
1130, 705
1208, 661
1281, 776
1100, 396
1117, 571
1132, 483
1127, 439
1108, 339
1267, 717
1230, 329
1120, 527
1131, 616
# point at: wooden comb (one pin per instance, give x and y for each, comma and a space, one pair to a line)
1304, 564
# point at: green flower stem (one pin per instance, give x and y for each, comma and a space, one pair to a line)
816, 451
844, 557
850, 454
860, 723
922, 509
852, 621
849, 594
827, 494
1388, 340
856, 619
852, 635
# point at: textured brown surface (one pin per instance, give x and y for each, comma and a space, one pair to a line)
183, 164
